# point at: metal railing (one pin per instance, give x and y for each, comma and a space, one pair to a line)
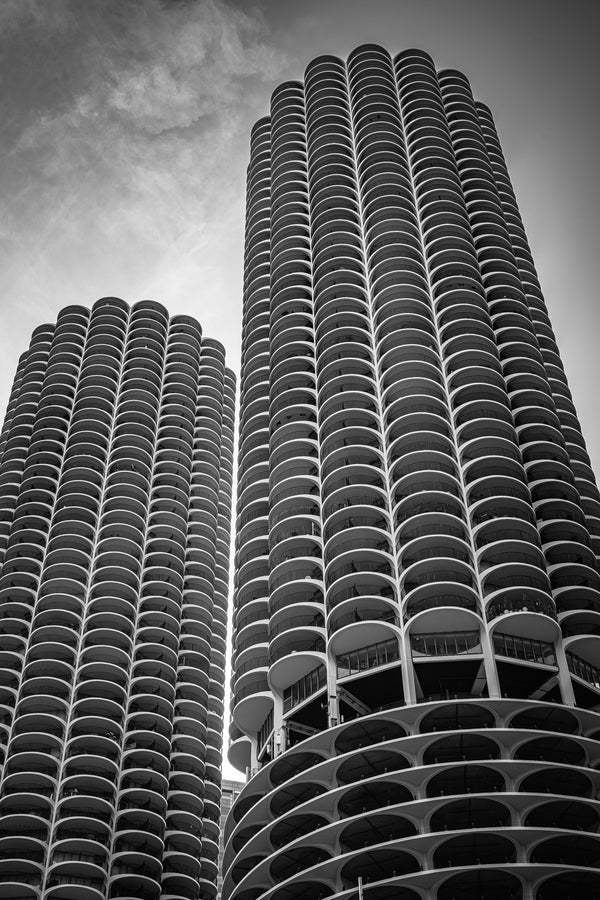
370, 657
450, 643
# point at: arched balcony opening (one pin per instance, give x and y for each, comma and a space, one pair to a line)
244, 805
295, 860
457, 747
474, 849
491, 884
128, 885
453, 716
569, 814
430, 597
294, 795
242, 837
578, 623
552, 781
366, 733
292, 764
386, 892
470, 813
360, 586
375, 829
303, 890
378, 865
290, 829
523, 598
552, 749
546, 718
465, 780
363, 609
568, 850
570, 886
368, 763
374, 795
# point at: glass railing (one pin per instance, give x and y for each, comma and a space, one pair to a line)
452, 575
297, 490
264, 731
451, 643
498, 559
361, 590
363, 543
578, 630
304, 687
417, 509
352, 459
419, 487
504, 534
373, 499
299, 509
259, 662
255, 687
499, 490
307, 596
379, 654
308, 527
515, 581
312, 646
296, 552
359, 566
364, 440
426, 465
440, 601
583, 669
524, 648
310, 620
526, 603
365, 615
425, 530
343, 524
297, 575
438, 552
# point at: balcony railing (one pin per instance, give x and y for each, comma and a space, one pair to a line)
379, 654
542, 652
505, 605
451, 643
304, 687
310, 620
583, 669
310, 646
441, 600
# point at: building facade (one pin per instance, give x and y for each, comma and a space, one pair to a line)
416, 676
229, 791
115, 493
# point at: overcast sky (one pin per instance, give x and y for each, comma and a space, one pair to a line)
125, 124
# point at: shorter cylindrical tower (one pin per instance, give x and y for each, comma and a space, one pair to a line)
115, 480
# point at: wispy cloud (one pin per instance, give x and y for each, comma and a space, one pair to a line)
125, 139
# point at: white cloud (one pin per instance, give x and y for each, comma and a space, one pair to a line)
124, 164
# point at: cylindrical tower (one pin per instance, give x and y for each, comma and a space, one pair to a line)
115, 492
417, 602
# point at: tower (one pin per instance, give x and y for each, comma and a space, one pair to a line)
417, 608
115, 480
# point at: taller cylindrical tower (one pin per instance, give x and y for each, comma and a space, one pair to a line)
115, 491
418, 522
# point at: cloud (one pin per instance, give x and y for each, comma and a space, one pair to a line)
125, 127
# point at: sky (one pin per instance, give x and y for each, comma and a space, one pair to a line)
124, 127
